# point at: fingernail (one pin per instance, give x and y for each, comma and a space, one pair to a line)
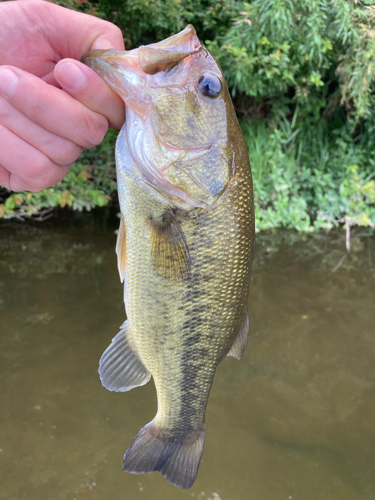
69, 75
8, 82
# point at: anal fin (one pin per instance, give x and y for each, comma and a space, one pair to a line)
120, 368
239, 345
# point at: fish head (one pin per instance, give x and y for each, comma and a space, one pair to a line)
177, 116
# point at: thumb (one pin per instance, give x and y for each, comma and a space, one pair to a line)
72, 34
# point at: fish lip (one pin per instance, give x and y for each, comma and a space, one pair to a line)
105, 54
103, 59
91, 55
109, 65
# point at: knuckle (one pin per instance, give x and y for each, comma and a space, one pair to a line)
116, 31
96, 129
46, 174
60, 173
112, 30
41, 169
17, 184
66, 153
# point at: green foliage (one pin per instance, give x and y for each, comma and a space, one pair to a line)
278, 48
302, 77
148, 21
309, 182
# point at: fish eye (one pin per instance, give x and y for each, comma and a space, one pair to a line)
209, 85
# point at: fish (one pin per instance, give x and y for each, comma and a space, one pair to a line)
185, 243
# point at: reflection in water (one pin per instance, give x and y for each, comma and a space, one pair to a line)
294, 419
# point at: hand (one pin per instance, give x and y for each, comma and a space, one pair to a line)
50, 107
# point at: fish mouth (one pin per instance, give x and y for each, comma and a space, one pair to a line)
126, 72
154, 57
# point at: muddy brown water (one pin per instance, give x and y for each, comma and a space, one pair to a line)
293, 420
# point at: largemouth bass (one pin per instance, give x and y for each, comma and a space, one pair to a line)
185, 242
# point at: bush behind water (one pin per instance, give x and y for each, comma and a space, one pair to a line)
302, 78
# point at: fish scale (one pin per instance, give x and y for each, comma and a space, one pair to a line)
217, 292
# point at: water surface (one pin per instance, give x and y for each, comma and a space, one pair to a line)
294, 419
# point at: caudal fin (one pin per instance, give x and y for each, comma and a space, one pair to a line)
176, 457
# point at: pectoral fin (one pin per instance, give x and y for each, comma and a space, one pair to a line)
121, 249
120, 368
239, 345
169, 251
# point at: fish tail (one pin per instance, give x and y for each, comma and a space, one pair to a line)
177, 457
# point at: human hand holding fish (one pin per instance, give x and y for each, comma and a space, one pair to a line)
51, 105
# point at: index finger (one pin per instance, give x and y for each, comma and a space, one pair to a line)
53, 108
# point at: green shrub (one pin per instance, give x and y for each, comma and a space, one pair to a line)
304, 51
306, 182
